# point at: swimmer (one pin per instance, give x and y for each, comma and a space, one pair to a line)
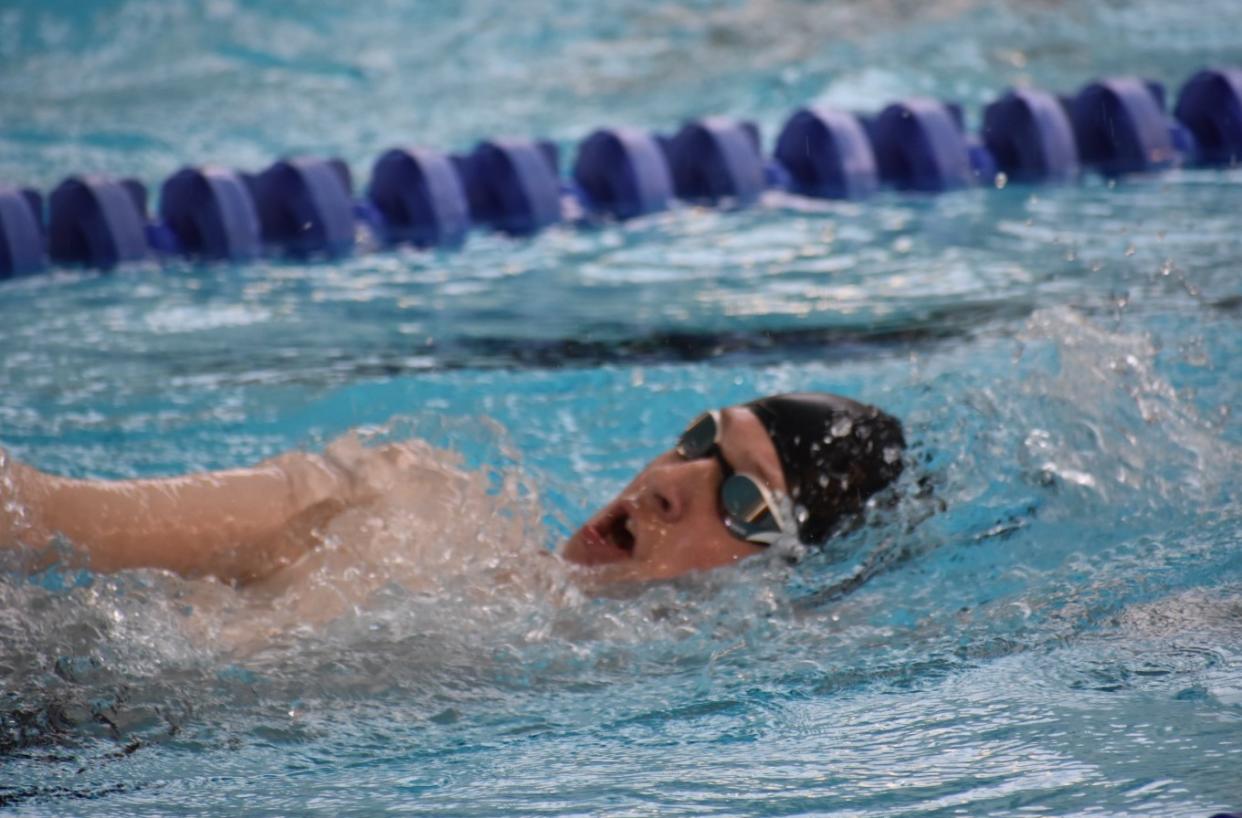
781, 470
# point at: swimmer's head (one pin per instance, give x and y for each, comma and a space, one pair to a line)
834, 452
786, 467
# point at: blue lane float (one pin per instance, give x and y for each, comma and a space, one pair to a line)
920, 145
1210, 107
211, 214
21, 232
304, 206
420, 198
826, 154
1030, 136
97, 222
1121, 127
512, 185
622, 172
716, 159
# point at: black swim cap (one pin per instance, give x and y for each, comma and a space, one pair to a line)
835, 453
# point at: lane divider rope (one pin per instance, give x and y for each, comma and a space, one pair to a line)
305, 206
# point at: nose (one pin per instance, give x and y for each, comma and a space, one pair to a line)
670, 489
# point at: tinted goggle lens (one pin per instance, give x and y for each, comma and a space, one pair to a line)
747, 506
700, 437
747, 511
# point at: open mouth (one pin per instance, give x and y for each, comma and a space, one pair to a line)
617, 531
605, 539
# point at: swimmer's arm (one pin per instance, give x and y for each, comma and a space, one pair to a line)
238, 525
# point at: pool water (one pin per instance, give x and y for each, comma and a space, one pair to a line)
1048, 622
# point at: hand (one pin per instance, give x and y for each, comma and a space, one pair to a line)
313, 480
379, 471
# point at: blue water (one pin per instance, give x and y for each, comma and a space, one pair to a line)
1049, 622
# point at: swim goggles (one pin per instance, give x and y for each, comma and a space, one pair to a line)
748, 509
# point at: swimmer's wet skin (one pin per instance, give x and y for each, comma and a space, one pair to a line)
787, 466
781, 469
239, 525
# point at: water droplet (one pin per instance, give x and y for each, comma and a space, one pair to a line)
1001, 181
842, 427
891, 454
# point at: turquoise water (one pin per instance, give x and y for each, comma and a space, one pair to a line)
1049, 622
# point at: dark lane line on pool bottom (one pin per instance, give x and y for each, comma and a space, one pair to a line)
934, 326
593, 348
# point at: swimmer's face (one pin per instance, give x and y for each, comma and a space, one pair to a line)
668, 521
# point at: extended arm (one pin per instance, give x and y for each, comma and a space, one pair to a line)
238, 525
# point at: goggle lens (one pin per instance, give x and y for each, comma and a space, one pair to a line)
747, 513
699, 438
747, 506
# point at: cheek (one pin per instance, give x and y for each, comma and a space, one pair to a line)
701, 544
